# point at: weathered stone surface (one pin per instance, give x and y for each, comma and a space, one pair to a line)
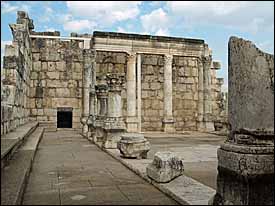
133, 145
251, 83
165, 167
246, 159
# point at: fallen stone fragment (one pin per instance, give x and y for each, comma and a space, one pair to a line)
165, 167
133, 145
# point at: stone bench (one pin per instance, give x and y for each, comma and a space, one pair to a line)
165, 167
11, 141
133, 145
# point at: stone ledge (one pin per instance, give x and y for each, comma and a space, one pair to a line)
116, 35
17, 173
11, 141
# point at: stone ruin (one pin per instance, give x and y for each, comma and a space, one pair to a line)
109, 82
246, 159
165, 167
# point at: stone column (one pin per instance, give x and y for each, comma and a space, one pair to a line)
139, 91
132, 122
168, 121
87, 78
207, 107
113, 125
246, 159
92, 96
200, 96
102, 96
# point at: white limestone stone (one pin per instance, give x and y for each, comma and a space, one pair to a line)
165, 167
133, 145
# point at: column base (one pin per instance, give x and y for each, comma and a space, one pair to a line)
245, 175
206, 126
85, 130
132, 124
168, 125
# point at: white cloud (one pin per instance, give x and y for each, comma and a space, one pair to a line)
155, 22
79, 25
105, 12
243, 15
7, 8
266, 46
47, 16
162, 32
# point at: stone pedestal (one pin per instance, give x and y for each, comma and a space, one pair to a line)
165, 167
133, 145
246, 172
168, 125
246, 159
113, 129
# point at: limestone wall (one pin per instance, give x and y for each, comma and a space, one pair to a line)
152, 78
56, 79
15, 74
185, 92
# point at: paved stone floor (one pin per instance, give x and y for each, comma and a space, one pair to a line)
69, 170
199, 151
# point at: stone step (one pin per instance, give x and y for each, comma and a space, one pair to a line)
13, 140
15, 175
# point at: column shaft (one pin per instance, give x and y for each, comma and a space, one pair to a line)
139, 91
132, 122
168, 122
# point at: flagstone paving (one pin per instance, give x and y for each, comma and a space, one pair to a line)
69, 170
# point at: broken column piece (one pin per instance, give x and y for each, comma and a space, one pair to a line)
246, 159
165, 167
133, 145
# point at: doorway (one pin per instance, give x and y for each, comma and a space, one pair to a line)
64, 117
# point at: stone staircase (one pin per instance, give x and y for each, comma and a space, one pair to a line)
17, 154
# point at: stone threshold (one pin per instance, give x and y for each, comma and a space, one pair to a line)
183, 189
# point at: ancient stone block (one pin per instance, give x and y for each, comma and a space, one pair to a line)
51, 66
62, 92
37, 65
61, 66
53, 75
165, 167
133, 145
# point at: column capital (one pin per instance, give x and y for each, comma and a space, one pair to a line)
115, 82
131, 57
168, 58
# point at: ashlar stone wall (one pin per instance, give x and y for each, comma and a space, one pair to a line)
152, 82
185, 92
15, 76
56, 79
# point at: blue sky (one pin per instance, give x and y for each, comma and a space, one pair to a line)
214, 22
